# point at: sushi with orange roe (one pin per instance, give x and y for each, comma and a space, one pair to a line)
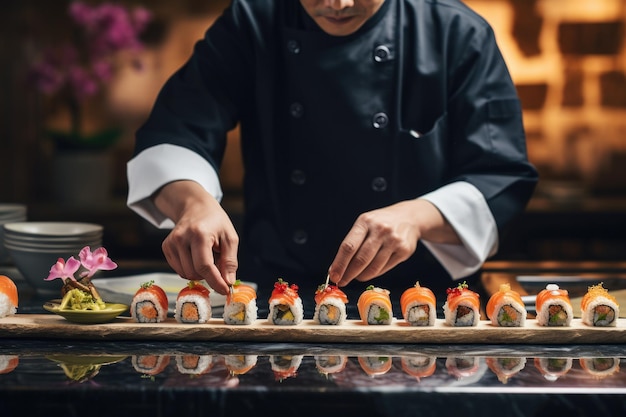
419, 366
330, 305
8, 296
462, 306
554, 307
285, 304
506, 308
240, 306
149, 304
374, 305
598, 307
419, 306
193, 304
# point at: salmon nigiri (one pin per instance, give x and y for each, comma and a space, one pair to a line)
462, 306
374, 306
553, 306
330, 305
8, 296
506, 308
285, 304
240, 307
418, 305
149, 304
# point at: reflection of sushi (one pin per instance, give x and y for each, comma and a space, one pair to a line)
419, 366
8, 363
240, 364
462, 366
374, 306
599, 308
8, 296
194, 364
149, 304
285, 304
330, 305
506, 308
240, 306
150, 364
418, 305
330, 364
505, 368
193, 304
462, 306
553, 368
285, 366
553, 306
375, 365
600, 367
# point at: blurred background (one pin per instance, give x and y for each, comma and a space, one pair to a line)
63, 153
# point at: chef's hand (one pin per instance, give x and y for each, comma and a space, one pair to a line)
381, 239
203, 243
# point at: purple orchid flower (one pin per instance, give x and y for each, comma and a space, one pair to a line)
96, 260
64, 270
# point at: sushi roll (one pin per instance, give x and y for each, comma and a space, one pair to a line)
554, 307
8, 296
193, 304
285, 366
240, 364
599, 308
419, 366
374, 306
462, 366
150, 365
194, 364
149, 304
553, 368
600, 367
505, 368
8, 363
285, 304
462, 306
240, 306
330, 305
375, 365
330, 364
418, 305
506, 308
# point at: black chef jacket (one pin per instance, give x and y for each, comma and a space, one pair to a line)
331, 127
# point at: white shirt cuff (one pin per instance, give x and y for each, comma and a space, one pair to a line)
467, 212
156, 166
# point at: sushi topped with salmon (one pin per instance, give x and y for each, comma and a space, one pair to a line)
149, 304
285, 304
8, 296
553, 306
193, 304
330, 305
374, 305
240, 306
418, 305
598, 307
506, 308
462, 306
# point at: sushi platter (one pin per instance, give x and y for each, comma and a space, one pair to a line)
352, 331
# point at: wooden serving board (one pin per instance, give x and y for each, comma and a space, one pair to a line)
353, 331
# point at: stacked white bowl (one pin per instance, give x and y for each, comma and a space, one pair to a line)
35, 247
9, 213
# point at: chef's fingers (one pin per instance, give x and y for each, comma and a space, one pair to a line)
376, 266
204, 260
355, 252
226, 257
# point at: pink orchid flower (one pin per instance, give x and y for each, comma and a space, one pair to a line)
64, 270
96, 260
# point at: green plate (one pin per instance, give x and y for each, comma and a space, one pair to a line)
109, 313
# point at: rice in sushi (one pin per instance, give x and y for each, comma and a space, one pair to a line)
419, 366
599, 308
193, 304
285, 366
240, 306
8, 296
462, 307
150, 365
505, 367
149, 304
553, 368
418, 305
240, 364
330, 364
374, 306
506, 308
285, 304
330, 305
554, 307
194, 364
600, 367
375, 365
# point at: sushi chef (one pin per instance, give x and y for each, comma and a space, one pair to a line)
382, 143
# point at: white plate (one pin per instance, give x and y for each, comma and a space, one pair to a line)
122, 289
